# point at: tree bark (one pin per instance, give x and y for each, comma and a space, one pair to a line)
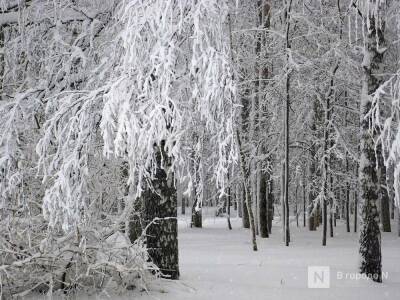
245, 212
370, 235
160, 209
286, 125
383, 191
270, 204
228, 209
263, 208
355, 211
197, 218
312, 168
245, 174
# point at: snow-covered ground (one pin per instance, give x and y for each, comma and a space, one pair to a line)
219, 264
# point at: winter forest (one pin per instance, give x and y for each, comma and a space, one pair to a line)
199, 149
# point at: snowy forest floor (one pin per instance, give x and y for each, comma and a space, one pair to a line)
216, 263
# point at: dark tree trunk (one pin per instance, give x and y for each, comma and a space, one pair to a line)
263, 209
245, 212
370, 235
347, 207
390, 186
240, 195
228, 215
304, 204
196, 215
393, 209
160, 209
312, 226
296, 209
355, 211
383, 191
183, 207
287, 123
324, 221
325, 184
270, 205
347, 193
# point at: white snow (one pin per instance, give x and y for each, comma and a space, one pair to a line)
216, 263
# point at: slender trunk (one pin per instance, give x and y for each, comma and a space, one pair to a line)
283, 204
251, 220
246, 180
197, 179
347, 183
270, 205
355, 211
325, 184
240, 197
347, 207
254, 196
263, 206
312, 168
324, 221
304, 204
331, 208
383, 191
286, 124
228, 215
393, 210
183, 207
196, 214
245, 213
296, 208
325, 172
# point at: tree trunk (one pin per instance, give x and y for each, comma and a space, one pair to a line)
160, 209
287, 124
312, 172
347, 207
228, 209
296, 209
245, 213
370, 235
197, 218
270, 204
355, 211
251, 221
304, 204
263, 209
240, 197
383, 191
325, 174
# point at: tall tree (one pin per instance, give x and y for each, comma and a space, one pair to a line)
370, 235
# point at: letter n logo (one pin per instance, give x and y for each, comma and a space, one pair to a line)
318, 277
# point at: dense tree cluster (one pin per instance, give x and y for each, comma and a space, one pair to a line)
114, 112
